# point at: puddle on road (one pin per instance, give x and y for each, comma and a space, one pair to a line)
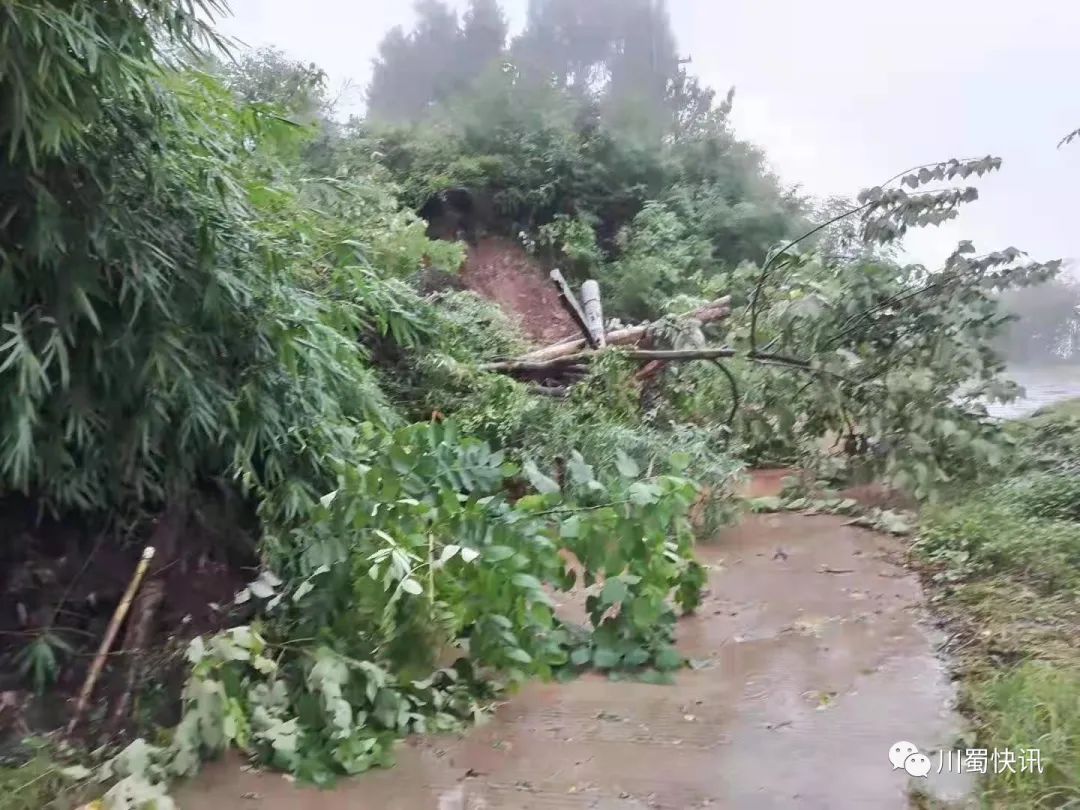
803, 681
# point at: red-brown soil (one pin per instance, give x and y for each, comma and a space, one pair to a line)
501, 271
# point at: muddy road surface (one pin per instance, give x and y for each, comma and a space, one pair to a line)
811, 659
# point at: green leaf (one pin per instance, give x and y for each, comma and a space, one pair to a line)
570, 528
768, 503
527, 581
605, 658
520, 656
410, 585
643, 494
303, 589
580, 472
76, 772
540, 482
613, 592
628, 468
679, 461
260, 589
656, 677
87, 308
580, 656
668, 658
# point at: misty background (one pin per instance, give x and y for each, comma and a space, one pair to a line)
839, 95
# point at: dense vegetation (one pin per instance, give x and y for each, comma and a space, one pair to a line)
1005, 567
212, 305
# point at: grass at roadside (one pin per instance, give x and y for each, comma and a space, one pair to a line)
37, 784
1003, 568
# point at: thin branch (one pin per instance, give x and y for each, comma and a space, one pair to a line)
914, 169
560, 510
679, 354
768, 265
86, 564
735, 399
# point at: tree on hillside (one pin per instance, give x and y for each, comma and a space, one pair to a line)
483, 37
435, 61
416, 70
397, 92
643, 66
619, 53
568, 43
269, 76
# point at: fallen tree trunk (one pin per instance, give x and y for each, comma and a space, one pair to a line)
714, 311
650, 355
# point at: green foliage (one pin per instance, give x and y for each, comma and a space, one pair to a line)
39, 783
39, 661
469, 328
573, 240
1052, 496
1048, 439
177, 303
898, 358
551, 168
1034, 705
1025, 526
436, 60
994, 537
1007, 558
268, 76
417, 589
189, 292
660, 254
601, 418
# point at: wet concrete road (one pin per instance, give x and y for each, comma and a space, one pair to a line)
810, 662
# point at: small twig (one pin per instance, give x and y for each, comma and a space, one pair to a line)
37, 778
827, 570
571, 509
734, 394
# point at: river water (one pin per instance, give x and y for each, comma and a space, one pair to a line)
1042, 386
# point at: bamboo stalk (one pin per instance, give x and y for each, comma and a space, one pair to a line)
110, 636
594, 312
571, 305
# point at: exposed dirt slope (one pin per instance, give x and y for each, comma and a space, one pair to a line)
501, 271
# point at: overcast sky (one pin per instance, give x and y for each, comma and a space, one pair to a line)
841, 94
